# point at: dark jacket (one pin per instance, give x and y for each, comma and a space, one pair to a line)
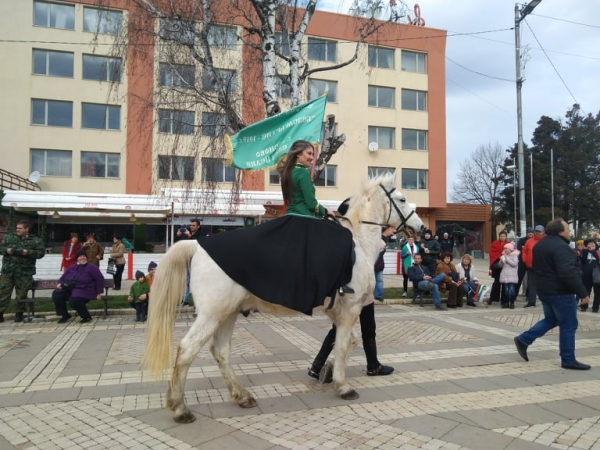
416, 273
447, 245
303, 201
556, 271
435, 248
587, 262
16, 264
89, 281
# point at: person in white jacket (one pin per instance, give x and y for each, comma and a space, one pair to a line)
509, 276
468, 279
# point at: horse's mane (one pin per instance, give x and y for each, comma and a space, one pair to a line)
369, 188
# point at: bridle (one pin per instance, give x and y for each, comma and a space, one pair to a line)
393, 204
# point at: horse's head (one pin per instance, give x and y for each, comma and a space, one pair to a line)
380, 203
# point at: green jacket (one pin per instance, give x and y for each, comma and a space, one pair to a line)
303, 201
138, 289
16, 264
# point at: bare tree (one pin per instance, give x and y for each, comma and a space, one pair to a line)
480, 178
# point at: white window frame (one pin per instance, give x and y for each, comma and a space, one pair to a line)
374, 50
177, 75
374, 172
68, 154
226, 175
420, 99
329, 46
227, 76
47, 24
373, 135
107, 21
422, 176
172, 160
106, 164
329, 172
222, 36
173, 119
109, 110
48, 58
420, 61
378, 92
316, 88
421, 139
220, 124
108, 68
46, 108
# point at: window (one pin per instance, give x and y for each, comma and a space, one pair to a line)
414, 62
414, 100
56, 163
328, 177
381, 57
173, 121
322, 50
179, 168
174, 75
177, 30
374, 172
316, 88
100, 117
102, 21
100, 165
384, 136
274, 177
52, 113
101, 68
54, 64
414, 179
227, 77
54, 15
214, 124
282, 44
414, 139
222, 37
283, 87
382, 97
215, 170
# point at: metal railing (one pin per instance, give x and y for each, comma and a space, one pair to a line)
11, 182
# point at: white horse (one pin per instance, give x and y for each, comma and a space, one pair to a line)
218, 299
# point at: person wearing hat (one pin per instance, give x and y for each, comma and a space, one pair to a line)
151, 269
527, 252
138, 296
509, 275
93, 250
522, 267
430, 250
88, 284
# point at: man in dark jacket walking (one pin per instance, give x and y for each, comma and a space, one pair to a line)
559, 285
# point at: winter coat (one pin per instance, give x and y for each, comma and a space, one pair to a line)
89, 281
138, 289
462, 274
496, 250
527, 252
446, 269
69, 251
16, 264
117, 253
587, 261
434, 247
510, 267
94, 252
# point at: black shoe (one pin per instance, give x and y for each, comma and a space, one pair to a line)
19, 316
576, 365
472, 304
85, 320
512, 306
346, 290
529, 305
317, 376
64, 318
503, 306
451, 306
521, 348
440, 307
137, 319
381, 370
594, 310
1, 317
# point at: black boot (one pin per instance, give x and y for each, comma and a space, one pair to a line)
345, 290
374, 367
19, 316
1, 316
322, 356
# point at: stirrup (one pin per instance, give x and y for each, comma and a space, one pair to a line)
345, 290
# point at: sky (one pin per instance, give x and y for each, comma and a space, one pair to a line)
482, 110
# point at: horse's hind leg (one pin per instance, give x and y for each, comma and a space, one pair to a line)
220, 350
342, 352
190, 345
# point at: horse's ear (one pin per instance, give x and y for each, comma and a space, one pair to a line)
343, 208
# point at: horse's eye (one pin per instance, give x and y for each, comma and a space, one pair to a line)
402, 200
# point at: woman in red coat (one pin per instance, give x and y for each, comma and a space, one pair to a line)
69, 250
496, 250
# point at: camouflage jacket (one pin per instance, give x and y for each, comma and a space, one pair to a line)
16, 264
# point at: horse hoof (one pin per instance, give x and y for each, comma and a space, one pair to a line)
248, 403
186, 417
350, 395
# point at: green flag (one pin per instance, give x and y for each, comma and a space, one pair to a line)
262, 144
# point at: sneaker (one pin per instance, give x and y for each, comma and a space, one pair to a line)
441, 307
404, 294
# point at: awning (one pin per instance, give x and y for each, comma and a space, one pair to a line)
188, 208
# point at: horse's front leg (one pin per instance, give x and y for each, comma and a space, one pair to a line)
342, 348
220, 349
202, 330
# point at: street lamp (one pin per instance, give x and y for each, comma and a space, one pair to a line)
514, 169
520, 14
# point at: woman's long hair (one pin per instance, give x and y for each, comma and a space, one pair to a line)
286, 166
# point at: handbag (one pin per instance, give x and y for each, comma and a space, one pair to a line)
454, 276
496, 265
68, 286
111, 269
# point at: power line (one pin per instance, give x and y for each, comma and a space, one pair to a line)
479, 73
565, 20
553, 66
479, 97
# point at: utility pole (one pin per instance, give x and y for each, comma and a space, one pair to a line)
520, 14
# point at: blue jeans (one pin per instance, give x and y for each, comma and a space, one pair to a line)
435, 292
378, 293
510, 292
470, 289
561, 311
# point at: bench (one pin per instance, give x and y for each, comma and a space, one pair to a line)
44, 285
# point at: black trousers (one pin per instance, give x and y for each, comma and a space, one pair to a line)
590, 286
531, 287
141, 310
79, 304
522, 270
117, 277
497, 293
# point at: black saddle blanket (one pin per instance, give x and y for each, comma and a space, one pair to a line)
292, 261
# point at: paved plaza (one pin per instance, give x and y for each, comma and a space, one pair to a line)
459, 384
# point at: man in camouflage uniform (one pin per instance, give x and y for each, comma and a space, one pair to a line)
19, 251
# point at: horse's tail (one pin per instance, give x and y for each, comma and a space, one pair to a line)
168, 288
